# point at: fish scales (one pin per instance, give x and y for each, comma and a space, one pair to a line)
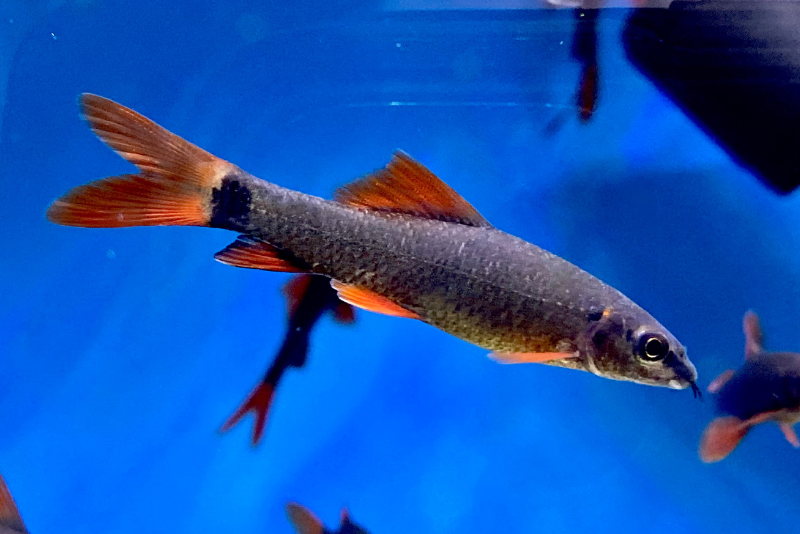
500, 292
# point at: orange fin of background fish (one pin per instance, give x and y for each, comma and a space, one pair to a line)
587, 92
252, 253
753, 337
303, 519
259, 402
529, 357
344, 313
790, 435
370, 301
407, 186
720, 437
294, 291
172, 189
720, 381
9, 515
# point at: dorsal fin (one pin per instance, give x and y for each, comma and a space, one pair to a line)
407, 186
753, 337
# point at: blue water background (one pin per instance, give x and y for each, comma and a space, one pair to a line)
123, 351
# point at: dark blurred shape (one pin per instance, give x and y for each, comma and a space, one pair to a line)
765, 388
584, 50
10, 520
305, 522
732, 66
308, 298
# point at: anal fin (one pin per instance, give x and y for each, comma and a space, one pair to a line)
370, 301
252, 253
303, 520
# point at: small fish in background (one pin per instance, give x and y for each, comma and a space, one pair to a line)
765, 388
308, 298
10, 519
399, 242
305, 522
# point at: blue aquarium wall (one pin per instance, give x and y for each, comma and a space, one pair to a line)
124, 351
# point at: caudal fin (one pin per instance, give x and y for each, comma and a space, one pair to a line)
174, 186
721, 436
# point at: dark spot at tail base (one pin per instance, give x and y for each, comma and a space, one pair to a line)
230, 203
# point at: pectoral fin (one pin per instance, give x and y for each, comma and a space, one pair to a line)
720, 381
791, 437
529, 357
9, 515
753, 337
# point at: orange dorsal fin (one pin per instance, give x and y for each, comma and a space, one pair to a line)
406, 186
9, 515
303, 520
173, 189
252, 253
720, 437
370, 301
529, 357
753, 337
720, 381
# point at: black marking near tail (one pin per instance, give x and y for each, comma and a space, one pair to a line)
230, 204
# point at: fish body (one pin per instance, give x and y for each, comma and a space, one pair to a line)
398, 241
305, 522
309, 298
765, 388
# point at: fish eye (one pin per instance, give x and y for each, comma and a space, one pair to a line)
652, 347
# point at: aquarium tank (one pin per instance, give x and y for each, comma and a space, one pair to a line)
146, 387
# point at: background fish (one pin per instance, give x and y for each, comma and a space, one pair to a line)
10, 519
308, 298
305, 522
399, 242
766, 388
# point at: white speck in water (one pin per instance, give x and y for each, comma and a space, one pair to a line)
110, 254
53, 36
11, 21
561, 42
398, 45
395, 103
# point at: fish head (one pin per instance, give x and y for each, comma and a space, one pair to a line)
635, 347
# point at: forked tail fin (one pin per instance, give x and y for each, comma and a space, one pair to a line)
174, 186
721, 436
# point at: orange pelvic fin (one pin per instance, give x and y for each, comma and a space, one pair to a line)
753, 337
252, 253
720, 381
173, 188
407, 186
720, 437
370, 301
303, 519
529, 357
9, 514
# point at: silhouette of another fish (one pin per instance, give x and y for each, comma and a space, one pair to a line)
584, 50
399, 242
766, 388
305, 522
308, 298
10, 520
